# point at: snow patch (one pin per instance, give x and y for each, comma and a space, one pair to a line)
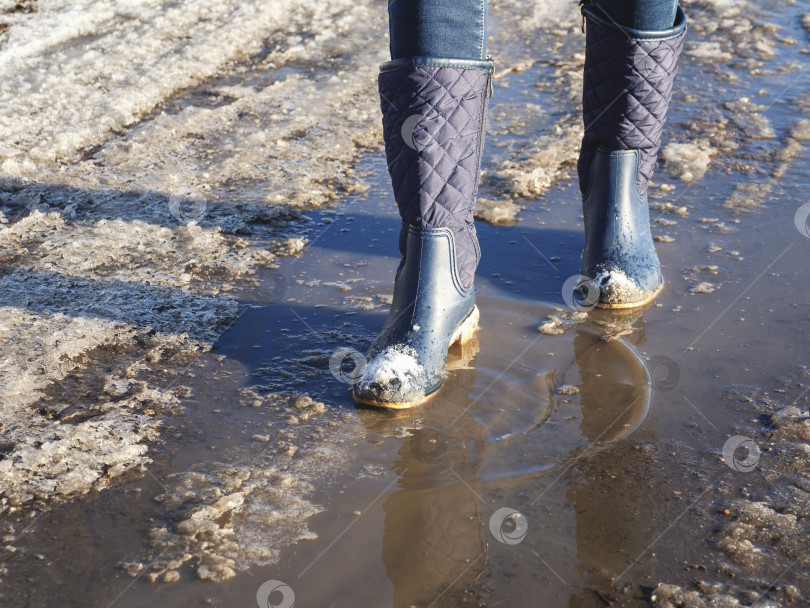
703, 287
224, 517
690, 160
497, 212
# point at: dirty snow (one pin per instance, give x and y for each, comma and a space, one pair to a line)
498, 212
227, 515
139, 190
689, 160
615, 287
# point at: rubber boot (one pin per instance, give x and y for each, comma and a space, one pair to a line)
629, 75
434, 113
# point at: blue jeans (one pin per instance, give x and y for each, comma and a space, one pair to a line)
457, 29
646, 15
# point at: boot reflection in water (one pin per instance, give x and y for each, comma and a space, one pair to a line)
434, 543
434, 95
437, 547
434, 540
615, 389
612, 495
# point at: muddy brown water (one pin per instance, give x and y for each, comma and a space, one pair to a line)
552, 470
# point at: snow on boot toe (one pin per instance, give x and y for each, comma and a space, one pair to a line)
617, 290
393, 376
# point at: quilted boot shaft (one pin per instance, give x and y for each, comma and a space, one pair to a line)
434, 114
627, 87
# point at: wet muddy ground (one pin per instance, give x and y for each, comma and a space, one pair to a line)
187, 274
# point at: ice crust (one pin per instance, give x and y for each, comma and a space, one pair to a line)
765, 535
91, 288
689, 160
74, 74
225, 516
115, 117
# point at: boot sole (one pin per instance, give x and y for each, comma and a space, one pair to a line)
626, 305
463, 334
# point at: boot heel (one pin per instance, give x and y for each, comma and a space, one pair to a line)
467, 329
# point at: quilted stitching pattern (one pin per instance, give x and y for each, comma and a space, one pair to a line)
626, 93
433, 121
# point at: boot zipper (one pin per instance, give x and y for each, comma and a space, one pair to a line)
584, 4
490, 72
488, 92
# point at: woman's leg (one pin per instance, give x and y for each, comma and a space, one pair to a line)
648, 15
434, 95
629, 75
438, 28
